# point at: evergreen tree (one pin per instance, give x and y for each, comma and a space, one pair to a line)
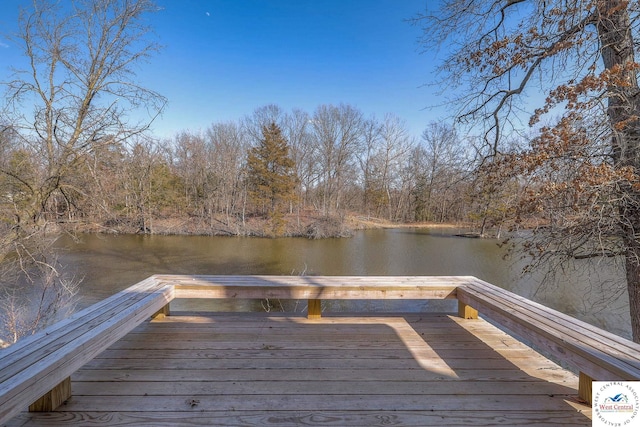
271, 173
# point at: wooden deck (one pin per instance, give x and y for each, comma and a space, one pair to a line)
261, 369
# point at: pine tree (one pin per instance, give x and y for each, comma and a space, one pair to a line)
271, 174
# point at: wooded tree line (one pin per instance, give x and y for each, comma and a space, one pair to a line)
340, 162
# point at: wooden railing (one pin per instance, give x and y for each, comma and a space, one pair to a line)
36, 371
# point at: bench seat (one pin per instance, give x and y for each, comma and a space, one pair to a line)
36, 370
597, 354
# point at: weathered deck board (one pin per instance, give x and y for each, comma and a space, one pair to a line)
278, 418
264, 369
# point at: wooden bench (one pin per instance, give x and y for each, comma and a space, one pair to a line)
36, 371
315, 288
594, 353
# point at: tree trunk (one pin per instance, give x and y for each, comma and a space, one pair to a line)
623, 110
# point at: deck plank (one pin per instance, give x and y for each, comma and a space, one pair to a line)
308, 418
256, 369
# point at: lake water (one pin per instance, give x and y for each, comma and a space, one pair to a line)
108, 264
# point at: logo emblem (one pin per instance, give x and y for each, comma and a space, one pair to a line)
616, 403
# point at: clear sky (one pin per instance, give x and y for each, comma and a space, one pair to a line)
222, 59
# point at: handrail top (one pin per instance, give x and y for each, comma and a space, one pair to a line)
315, 281
314, 287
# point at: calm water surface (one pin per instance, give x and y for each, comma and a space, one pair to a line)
108, 264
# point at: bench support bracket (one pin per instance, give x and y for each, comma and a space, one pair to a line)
53, 398
162, 313
584, 387
314, 309
466, 311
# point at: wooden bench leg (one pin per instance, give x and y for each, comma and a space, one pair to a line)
466, 311
163, 312
584, 387
314, 309
54, 398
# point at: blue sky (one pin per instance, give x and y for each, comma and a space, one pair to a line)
222, 59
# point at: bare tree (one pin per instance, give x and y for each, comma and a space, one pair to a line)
34, 293
396, 145
296, 128
150, 186
191, 163
443, 159
337, 135
78, 91
581, 171
76, 94
261, 117
226, 148
366, 159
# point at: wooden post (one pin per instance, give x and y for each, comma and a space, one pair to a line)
466, 311
584, 387
162, 313
54, 398
314, 309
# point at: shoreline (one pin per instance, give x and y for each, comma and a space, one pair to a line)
307, 226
